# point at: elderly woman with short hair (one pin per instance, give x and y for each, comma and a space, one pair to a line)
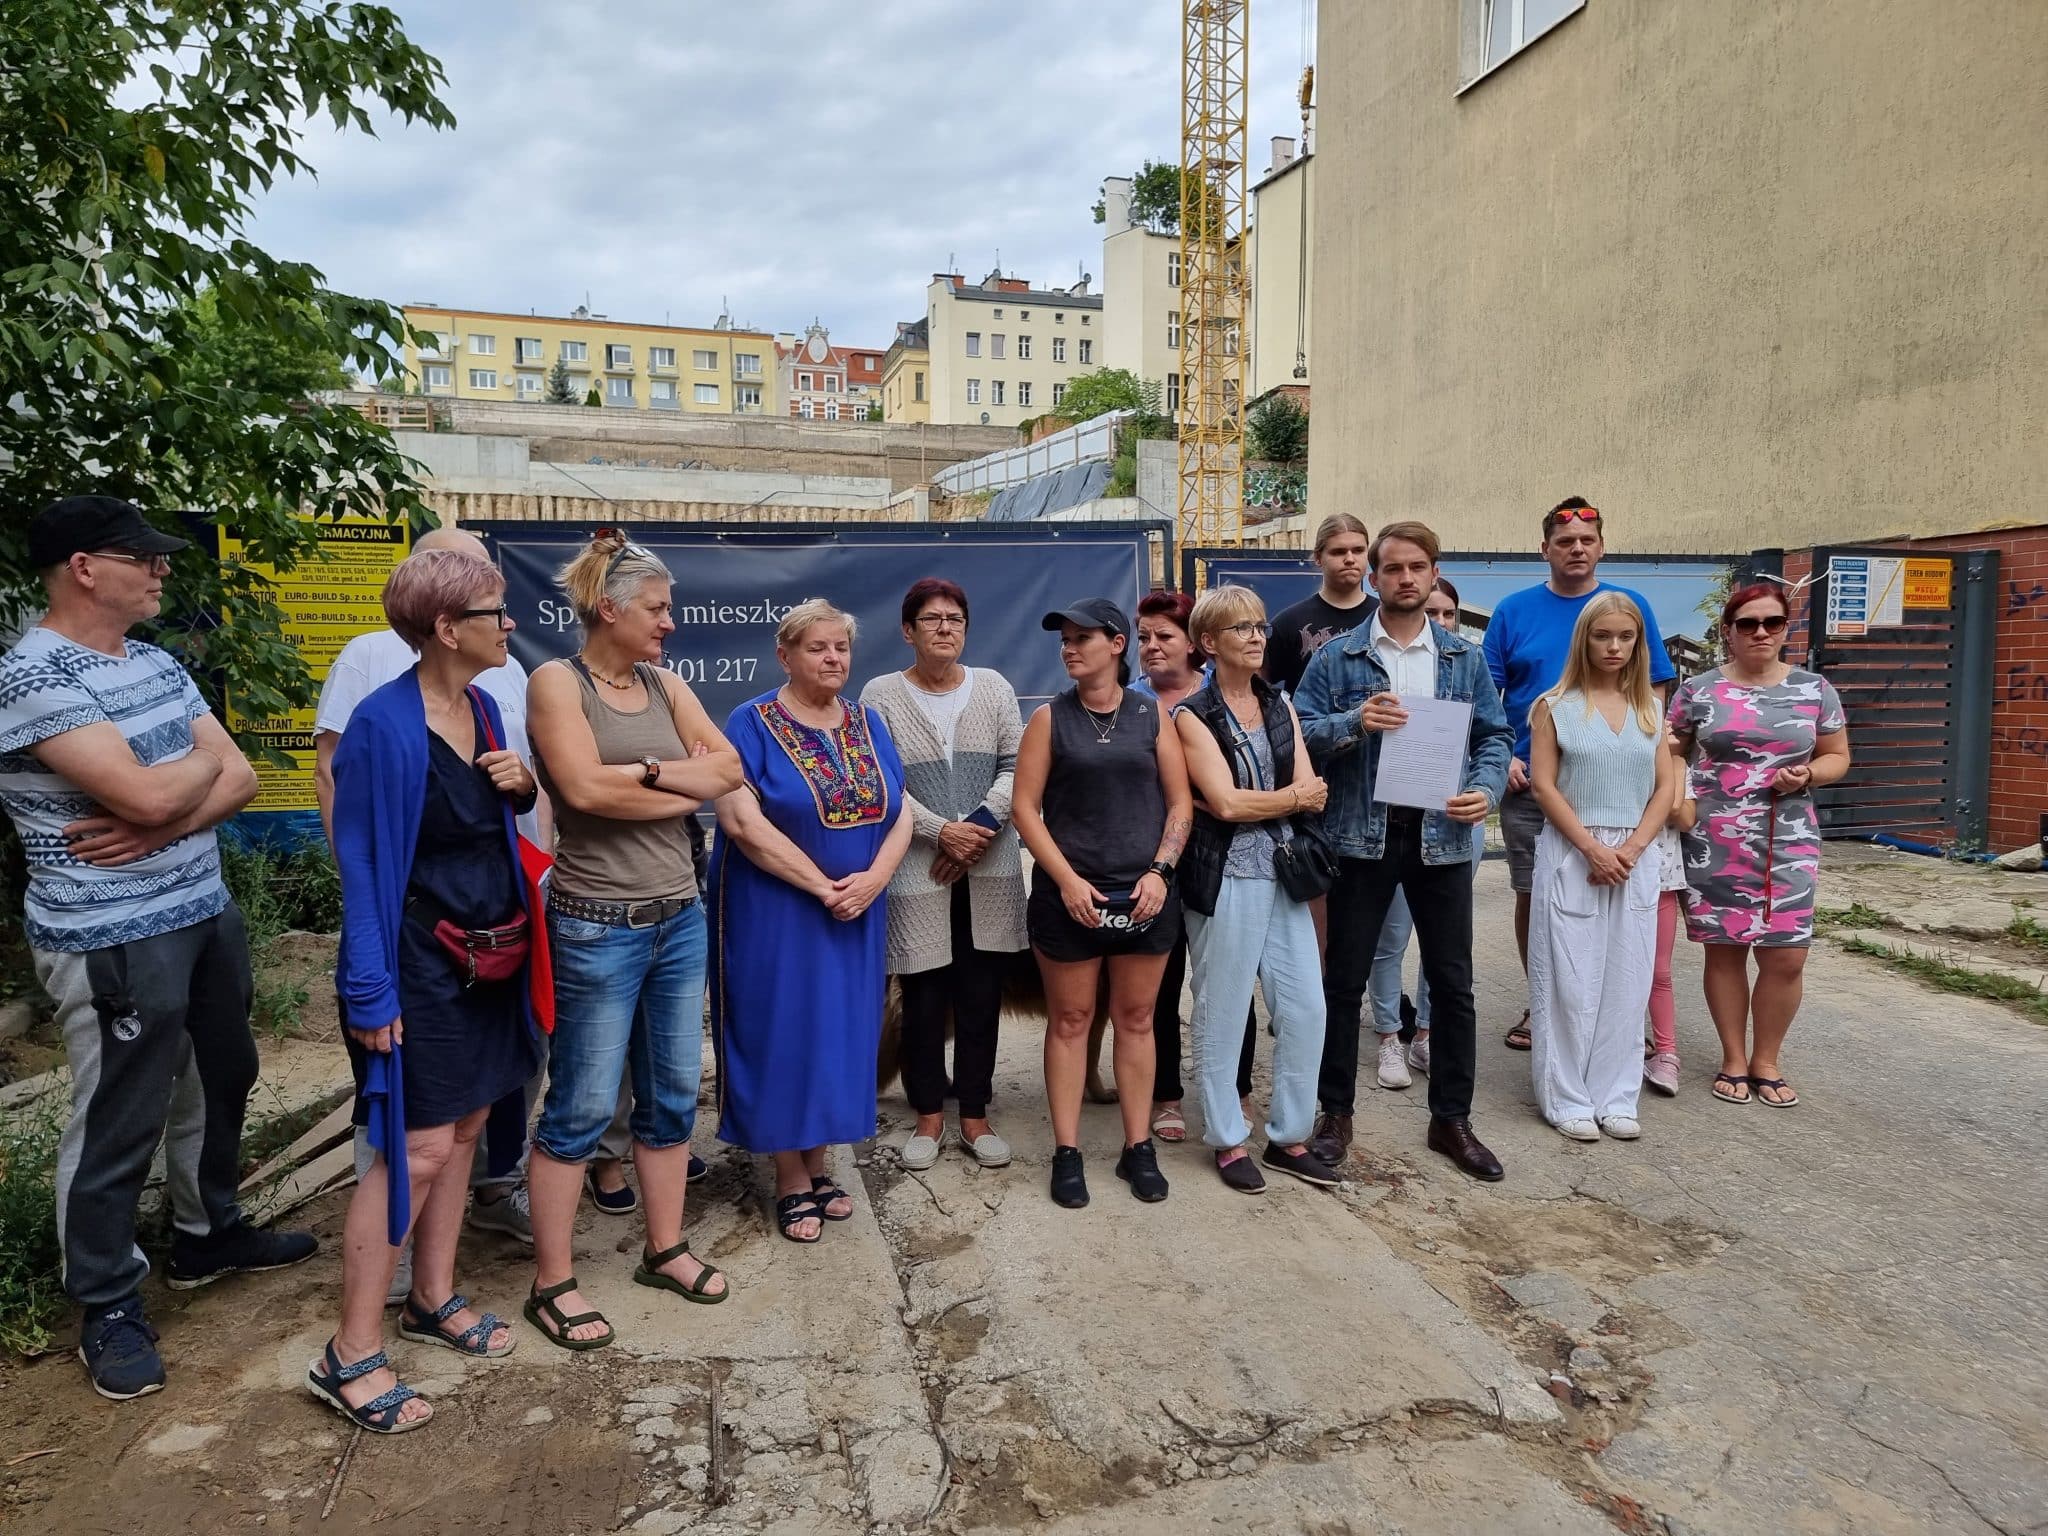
956, 905
627, 754
807, 846
429, 862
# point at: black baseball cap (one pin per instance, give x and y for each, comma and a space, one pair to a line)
1090, 613
82, 523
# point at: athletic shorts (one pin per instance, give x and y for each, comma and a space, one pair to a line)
1057, 936
1521, 818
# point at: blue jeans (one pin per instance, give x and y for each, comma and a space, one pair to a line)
1385, 986
624, 995
1256, 933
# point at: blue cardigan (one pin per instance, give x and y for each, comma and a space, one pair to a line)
380, 790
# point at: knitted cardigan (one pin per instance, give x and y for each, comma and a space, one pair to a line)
983, 767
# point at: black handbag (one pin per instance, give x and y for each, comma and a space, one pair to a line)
1304, 865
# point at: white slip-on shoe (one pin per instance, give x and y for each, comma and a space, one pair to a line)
1621, 1127
1393, 1063
1579, 1130
1418, 1053
920, 1152
988, 1149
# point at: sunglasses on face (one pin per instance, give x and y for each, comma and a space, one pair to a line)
1750, 624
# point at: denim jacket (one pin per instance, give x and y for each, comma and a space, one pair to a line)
1340, 678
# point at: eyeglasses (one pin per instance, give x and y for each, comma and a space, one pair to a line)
942, 620
157, 565
1768, 623
1583, 514
500, 613
1248, 629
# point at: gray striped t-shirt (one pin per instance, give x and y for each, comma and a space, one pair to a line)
50, 685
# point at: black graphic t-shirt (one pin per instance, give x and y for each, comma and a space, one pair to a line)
1305, 628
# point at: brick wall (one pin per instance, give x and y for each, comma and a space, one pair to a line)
2019, 711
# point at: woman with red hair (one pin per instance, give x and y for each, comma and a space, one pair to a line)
1761, 735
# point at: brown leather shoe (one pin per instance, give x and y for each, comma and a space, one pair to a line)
1455, 1140
1332, 1139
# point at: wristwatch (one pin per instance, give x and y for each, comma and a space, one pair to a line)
1162, 869
650, 771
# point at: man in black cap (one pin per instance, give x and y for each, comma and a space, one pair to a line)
116, 775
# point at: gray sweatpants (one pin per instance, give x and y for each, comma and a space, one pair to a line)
157, 1035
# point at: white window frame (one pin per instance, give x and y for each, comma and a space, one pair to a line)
618, 391
995, 346
1479, 18
1087, 353
1059, 392
483, 378
698, 395
575, 351
1023, 392
659, 390
803, 381
437, 376
1059, 349
1173, 269
529, 349
525, 384
831, 410
974, 391
831, 383
704, 359
1172, 393
918, 392
661, 357
974, 343
1173, 328
482, 346
618, 354
748, 363
1023, 349
995, 392
804, 410
749, 394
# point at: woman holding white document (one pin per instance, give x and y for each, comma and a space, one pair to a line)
1599, 769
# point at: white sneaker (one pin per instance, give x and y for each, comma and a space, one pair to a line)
1418, 1053
1621, 1127
1579, 1130
920, 1152
1393, 1063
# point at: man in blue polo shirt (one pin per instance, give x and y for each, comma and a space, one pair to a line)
1528, 640
115, 775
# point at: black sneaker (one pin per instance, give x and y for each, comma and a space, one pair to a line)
1069, 1182
119, 1350
1139, 1168
1303, 1165
241, 1250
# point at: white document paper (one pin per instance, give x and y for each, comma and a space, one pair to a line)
1423, 762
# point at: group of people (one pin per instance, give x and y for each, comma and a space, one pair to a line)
1214, 821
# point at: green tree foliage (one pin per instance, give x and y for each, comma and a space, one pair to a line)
559, 391
1155, 198
1106, 389
593, 397
149, 349
1276, 431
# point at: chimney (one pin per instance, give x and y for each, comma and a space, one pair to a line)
1283, 152
1116, 206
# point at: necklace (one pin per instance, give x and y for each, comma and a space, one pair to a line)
1102, 732
625, 687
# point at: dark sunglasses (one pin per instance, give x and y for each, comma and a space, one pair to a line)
501, 613
625, 549
1768, 623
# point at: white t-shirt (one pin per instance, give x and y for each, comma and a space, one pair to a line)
945, 709
370, 661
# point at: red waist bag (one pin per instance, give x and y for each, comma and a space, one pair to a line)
534, 865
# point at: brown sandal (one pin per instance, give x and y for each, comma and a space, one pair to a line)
1518, 1038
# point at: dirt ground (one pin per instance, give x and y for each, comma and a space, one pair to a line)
1828, 1320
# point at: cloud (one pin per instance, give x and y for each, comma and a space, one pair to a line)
788, 158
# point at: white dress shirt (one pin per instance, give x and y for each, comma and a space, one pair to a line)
1411, 668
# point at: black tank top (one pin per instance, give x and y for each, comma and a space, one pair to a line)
1103, 804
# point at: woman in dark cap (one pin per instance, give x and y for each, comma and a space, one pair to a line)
1102, 802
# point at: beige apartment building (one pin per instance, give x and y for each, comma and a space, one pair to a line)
1743, 274
1279, 262
486, 355
906, 373
1141, 271
1002, 351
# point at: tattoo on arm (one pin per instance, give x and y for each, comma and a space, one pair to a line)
1175, 840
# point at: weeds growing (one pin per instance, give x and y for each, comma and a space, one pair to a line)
1945, 977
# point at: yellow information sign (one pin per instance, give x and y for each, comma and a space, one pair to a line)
325, 602
1927, 583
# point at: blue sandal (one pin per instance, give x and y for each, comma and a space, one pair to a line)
415, 1322
380, 1414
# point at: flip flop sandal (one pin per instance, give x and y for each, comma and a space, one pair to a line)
791, 1209
1169, 1124
380, 1414
539, 1301
649, 1273
1757, 1084
824, 1191
415, 1322
1734, 1082
1518, 1037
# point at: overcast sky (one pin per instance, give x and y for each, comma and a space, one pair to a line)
790, 157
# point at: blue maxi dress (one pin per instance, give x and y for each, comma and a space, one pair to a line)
796, 995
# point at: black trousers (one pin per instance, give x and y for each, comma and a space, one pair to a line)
1440, 899
969, 991
1166, 1028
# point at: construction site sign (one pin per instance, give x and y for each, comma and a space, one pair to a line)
1927, 583
324, 602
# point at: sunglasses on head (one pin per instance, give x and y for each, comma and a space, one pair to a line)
626, 547
1583, 514
1752, 623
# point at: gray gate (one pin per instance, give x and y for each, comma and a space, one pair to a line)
1906, 638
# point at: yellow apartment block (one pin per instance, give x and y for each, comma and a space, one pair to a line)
906, 373
484, 355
